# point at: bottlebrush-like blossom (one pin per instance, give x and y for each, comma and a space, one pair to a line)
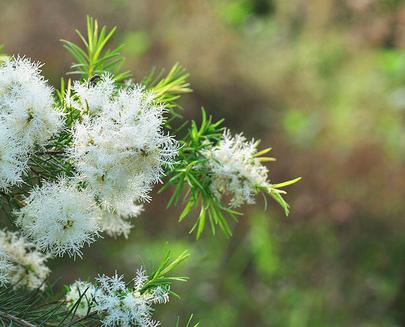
120, 151
120, 305
81, 295
94, 98
21, 263
117, 222
13, 158
59, 218
26, 103
235, 169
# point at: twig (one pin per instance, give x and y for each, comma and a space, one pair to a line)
19, 321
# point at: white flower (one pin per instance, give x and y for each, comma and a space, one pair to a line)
120, 152
123, 306
117, 222
60, 218
94, 98
27, 116
13, 158
82, 296
154, 295
115, 302
235, 169
21, 264
26, 103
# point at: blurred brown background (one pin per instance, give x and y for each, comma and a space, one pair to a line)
323, 83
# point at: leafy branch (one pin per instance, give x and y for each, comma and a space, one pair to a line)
168, 89
94, 58
192, 179
160, 279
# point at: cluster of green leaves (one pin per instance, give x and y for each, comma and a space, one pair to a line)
95, 58
276, 193
160, 278
168, 89
191, 178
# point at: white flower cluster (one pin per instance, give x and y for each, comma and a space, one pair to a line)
60, 218
119, 151
27, 116
120, 148
20, 263
115, 302
235, 169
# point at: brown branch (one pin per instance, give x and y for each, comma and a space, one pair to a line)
17, 320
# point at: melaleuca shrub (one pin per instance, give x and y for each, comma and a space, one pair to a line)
77, 163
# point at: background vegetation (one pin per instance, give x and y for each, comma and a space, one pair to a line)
323, 82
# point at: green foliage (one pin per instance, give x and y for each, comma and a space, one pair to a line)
35, 308
192, 181
95, 58
160, 279
168, 88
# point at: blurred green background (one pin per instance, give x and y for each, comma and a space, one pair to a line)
323, 82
